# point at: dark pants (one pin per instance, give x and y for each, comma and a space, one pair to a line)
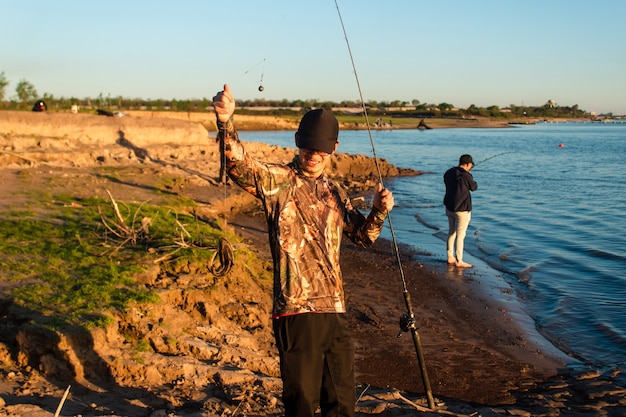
316, 364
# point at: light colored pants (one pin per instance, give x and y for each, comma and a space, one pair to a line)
458, 221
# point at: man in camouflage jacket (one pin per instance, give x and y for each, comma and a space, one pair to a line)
307, 214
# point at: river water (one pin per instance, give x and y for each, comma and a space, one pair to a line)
548, 219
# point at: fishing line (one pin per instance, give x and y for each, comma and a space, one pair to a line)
270, 45
369, 130
261, 88
407, 321
491, 157
254, 66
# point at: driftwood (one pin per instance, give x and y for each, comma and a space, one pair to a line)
134, 232
67, 392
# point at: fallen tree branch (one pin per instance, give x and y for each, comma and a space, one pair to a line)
118, 227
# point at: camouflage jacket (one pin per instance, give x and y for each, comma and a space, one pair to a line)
306, 219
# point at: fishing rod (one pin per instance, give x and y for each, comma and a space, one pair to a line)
407, 321
491, 157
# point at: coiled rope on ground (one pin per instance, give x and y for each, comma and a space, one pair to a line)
223, 259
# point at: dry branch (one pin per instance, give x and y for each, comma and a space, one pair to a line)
123, 231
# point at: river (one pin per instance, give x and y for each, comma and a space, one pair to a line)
547, 221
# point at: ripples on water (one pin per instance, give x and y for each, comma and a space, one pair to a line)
550, 218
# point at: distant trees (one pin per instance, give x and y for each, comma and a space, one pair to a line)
494, 111
549, 109
3, 85
26, 93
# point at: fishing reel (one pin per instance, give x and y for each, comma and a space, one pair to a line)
407, 322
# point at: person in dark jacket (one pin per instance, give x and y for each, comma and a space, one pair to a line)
307, 214
40, 105
458, 201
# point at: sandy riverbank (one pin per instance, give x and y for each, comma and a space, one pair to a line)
478, 358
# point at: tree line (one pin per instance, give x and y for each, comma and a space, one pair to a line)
26, 96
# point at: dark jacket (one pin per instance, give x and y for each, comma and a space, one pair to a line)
459, 183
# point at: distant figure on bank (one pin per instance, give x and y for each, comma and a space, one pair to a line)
40, 105
458, 201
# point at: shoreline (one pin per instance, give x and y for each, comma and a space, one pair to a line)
483, 291
250, 122
491, 283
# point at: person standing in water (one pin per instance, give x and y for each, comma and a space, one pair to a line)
458, 202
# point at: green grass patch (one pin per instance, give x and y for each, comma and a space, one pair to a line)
74, 265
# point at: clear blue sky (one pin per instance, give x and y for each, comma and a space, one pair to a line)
460, 52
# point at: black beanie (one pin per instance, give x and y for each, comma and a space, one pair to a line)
318, 131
